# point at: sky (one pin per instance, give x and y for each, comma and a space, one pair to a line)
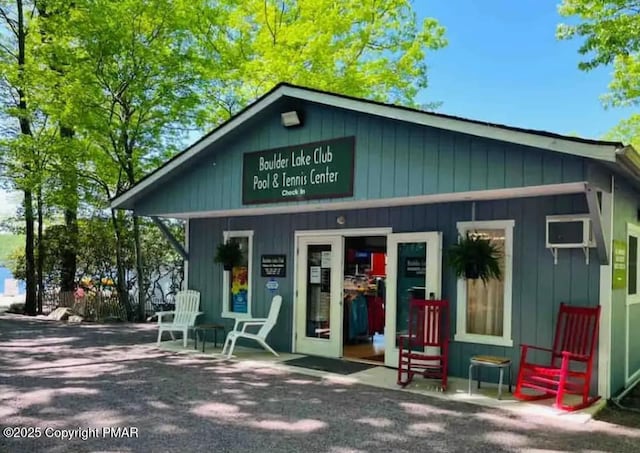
8, 203
503, 64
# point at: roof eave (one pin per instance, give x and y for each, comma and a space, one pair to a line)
603, 151
629, 160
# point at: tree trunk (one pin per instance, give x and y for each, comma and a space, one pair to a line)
68, 263
121, 284
41, 251
30, 298
130, 172
25, 129
68, 255
139, 269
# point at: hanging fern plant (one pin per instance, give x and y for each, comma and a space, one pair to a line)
474, 257
229, 254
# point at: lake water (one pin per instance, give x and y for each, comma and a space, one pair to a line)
6, 273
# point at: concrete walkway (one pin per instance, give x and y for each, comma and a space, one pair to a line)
69, 377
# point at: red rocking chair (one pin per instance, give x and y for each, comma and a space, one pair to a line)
571, 365
428, 329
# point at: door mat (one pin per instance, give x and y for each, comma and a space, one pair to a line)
331, 365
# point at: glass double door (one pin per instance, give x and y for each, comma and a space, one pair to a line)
319, 295
413, 268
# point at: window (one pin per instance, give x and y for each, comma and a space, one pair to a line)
236, 283
484, 311
632, 266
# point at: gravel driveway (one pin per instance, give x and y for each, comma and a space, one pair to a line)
55, 377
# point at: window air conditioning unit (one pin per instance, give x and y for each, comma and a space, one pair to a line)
569, 231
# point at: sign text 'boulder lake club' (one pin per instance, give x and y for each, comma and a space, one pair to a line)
303, 172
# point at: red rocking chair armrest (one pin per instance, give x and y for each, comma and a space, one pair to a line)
574, 356
528, 346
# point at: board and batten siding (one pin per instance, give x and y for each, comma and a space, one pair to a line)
626, 207
538, 285
392, 159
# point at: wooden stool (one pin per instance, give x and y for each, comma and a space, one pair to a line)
491, 362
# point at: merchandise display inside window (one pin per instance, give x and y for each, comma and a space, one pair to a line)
238, 299
364, 297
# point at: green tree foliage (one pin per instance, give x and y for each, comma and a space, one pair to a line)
118, 84
611, 32
96, 260
627, 131
20, 156
128, 70
95, 252
161, 260
374, 49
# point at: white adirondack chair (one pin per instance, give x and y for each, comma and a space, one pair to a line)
184, 315
266, 324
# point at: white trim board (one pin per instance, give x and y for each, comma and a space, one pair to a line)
478, 195
346, 232
461, 314
601, 151
604, 332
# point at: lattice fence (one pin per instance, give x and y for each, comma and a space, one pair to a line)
92, 306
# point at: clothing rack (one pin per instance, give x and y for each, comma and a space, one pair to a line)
363, 317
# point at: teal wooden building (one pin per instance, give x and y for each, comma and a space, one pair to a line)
333, 198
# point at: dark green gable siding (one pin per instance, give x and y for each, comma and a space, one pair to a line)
538, 285
392, 159
626, 205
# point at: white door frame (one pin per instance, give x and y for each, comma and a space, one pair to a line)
332, 346
342, 232
605, 300
630, 301
433, 281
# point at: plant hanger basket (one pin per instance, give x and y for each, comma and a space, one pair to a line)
474, 257
229, 254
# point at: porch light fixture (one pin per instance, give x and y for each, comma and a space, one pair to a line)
340, 220
290, 119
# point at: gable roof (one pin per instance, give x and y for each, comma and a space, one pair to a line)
606, 151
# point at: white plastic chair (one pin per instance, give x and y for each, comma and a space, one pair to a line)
184, 315
266, 324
